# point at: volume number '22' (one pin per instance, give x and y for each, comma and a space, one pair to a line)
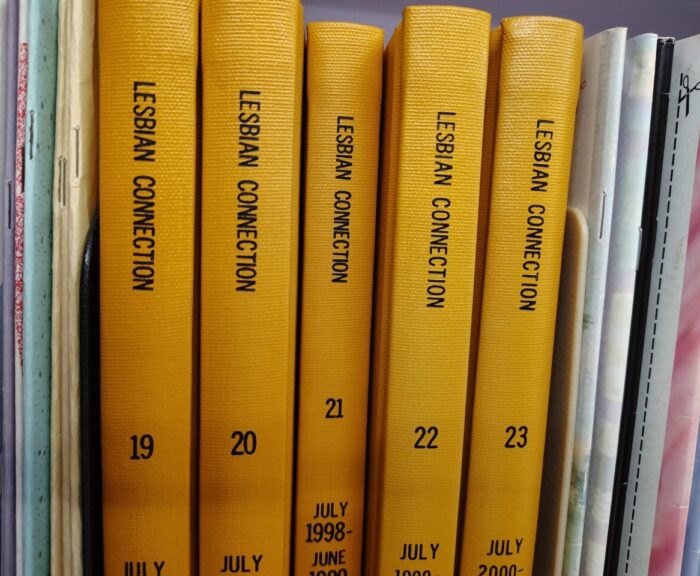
426, 437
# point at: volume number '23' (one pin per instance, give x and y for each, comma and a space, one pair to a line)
516, 437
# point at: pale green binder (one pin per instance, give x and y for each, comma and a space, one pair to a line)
36, 401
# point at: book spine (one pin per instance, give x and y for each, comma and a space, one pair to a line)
652, 185
429, 235
343, 87
81, 165
594, 165
91, 556
18, 279
534, 135
490, 117
663, 309
637, 97
60, 336
74, 202
385, 211
252, 65
8, 451
147, 208
41, 103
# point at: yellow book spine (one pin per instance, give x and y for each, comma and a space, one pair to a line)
252, 64
389, 155
147, 207
490, 114
426, 307
343, 92
490, 111
538, 92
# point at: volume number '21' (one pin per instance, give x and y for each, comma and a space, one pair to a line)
335, 408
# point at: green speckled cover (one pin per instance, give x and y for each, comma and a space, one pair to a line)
39, 143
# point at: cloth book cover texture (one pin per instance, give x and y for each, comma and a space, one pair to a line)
535, 126
428, 227
147, 224
343, 94
389, 151
490, 113
252, 72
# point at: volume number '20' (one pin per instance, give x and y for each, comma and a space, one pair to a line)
245, 443
427, 437
516, 437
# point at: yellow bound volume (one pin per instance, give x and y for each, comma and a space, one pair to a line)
147, 208
344, 93
426, 280
490, 111
538, 92
389, 162
252, 64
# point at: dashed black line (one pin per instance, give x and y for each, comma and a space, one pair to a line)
653, 339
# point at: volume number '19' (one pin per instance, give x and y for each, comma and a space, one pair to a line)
516, 437
326, 531
412, 572
245, 443
338, 572
142, 447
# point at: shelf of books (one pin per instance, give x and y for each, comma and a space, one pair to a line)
380, 291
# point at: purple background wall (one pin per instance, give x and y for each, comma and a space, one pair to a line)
679, 18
